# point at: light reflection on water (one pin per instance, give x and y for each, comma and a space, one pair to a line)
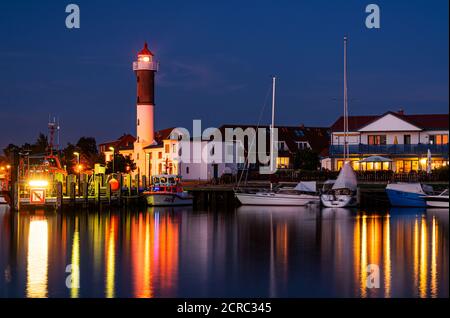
252, 251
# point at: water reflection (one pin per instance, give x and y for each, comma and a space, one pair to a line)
253, 251
37, 257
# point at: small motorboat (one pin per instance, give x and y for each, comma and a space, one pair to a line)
342, 192
166, 190
304, 193
408, 194
437, 201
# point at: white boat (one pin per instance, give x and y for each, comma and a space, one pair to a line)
304, 193
437, 201
166, 190
342, 192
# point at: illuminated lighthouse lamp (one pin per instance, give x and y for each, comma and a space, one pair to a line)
145, 59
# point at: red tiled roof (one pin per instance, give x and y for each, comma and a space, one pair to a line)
426, 121
125, 142
160, 136
354, 122
317, 137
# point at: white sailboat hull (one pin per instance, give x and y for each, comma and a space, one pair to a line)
274, 199
338, 201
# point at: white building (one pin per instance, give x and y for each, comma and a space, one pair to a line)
405, 139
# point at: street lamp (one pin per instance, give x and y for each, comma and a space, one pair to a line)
114, 158
78, 157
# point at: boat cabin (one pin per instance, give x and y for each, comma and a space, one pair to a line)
166, 183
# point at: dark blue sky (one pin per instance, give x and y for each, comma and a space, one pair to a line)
216, 58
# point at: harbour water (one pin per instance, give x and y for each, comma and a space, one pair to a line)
246, 252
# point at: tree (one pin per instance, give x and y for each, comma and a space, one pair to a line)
11, 150
41, 145
89, 156
68, 158
306, 159
121, 164
87, 146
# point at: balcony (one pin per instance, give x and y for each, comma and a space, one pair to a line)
415, 149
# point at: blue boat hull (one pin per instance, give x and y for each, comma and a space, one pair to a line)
407, 199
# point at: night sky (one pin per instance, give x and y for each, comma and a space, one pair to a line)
216, 58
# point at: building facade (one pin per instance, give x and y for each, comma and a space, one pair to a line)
404, 139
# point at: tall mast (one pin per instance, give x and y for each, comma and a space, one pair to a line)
272, 127
346, 150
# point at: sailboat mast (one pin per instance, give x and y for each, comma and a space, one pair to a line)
346, 150
272, 127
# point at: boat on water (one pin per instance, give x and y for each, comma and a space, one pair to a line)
437, 201
166, 190
403, 194
302, 194
342, 192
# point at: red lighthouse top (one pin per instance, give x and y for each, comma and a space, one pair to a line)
145, 51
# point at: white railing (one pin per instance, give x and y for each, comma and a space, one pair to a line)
139, 65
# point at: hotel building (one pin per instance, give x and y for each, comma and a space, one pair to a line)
404, 139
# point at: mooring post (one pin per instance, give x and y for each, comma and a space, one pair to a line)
144, 182
72, 193
137, 183
120, 189
85, 188
59, 195
98, 193
16, 196
129, 184
108, 192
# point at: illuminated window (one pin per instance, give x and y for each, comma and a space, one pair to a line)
386, 166
160, 155
174, 148
167, 148
399, 165
439, 139
376, 139
159, 168
282, 162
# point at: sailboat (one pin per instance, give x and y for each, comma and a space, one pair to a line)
303, 194
342, 192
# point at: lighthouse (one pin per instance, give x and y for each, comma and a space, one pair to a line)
145, 68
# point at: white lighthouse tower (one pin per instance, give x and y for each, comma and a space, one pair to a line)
145, 68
